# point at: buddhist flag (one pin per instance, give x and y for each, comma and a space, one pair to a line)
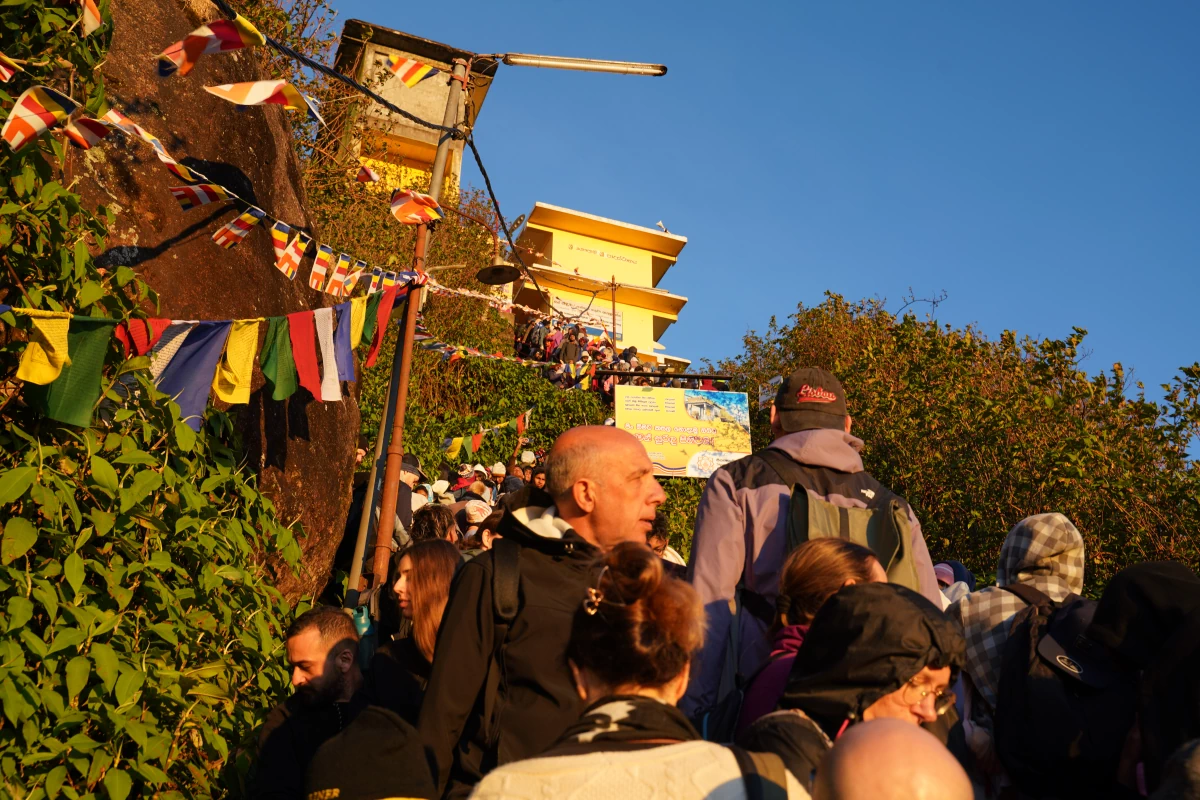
410, 71
334, 285
8, 68
259, 93
91, 17
353, 278
221, 36
190, 197
86, 132
279, 239
367, 175
376, 281
131, 128
413, 208
389, 280
316, 278
235, 230
289, 262
37, 110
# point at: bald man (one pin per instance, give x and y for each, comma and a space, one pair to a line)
888, 759
500, 689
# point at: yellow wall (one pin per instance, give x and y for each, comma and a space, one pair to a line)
598, 258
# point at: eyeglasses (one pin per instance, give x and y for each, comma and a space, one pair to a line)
915, 694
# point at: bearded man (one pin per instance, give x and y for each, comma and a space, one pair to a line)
322, 649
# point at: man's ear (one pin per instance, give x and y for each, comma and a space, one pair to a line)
849, 421
584, 495
345, 658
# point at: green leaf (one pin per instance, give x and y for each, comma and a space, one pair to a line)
144, 483
54, 781
117, 784
90, 293
78, 670
185, 437
134, 364
14, 482
104, 475
20, 611
128, 685
74, 571
71, 637
102, 520
106, 664
19, 536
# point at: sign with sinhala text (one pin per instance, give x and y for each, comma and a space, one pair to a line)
686, 432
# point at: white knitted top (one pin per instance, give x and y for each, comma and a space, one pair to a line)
684, 771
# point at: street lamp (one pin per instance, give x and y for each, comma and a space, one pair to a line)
499, 273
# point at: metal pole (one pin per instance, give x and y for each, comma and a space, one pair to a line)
395, 450
614, 299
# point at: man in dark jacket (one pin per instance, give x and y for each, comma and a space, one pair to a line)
740, 538
322, 649
501, 691
873, 651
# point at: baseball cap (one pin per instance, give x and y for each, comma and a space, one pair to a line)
378, 737
810, 398
499, 469
410, 463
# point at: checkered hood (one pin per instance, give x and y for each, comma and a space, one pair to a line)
1044, 551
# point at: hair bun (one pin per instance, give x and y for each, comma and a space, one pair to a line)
630, 573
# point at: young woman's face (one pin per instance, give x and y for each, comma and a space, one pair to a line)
403, 586
539, 480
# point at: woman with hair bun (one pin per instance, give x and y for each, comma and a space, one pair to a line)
630, 651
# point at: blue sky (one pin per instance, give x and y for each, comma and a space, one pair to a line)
1040, 162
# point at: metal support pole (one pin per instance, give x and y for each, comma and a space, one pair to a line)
395, 449
614, 320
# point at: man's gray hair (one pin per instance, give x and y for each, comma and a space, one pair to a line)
568, 465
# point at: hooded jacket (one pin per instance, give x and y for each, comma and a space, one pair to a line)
536, 698
867, 641
1044, 551
741, 537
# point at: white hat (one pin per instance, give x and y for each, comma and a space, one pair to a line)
498, 469
479, 468
440, 487
527, 457
476, 511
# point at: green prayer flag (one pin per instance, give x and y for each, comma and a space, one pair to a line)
368, 334
73, 395
278, 365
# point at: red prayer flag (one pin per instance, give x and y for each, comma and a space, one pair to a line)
521, 424
303, 334
385, 311
140, 335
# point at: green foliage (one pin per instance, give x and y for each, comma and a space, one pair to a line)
140, 637
978, 434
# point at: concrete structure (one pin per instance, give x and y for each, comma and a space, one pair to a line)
400, 150
576, 257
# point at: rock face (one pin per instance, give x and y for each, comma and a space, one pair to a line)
303, 449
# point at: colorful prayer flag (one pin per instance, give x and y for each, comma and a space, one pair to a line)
522, 421
353, 278
257, 93
91, 17
343, 351
188, 378
86, 132
278, 367
409, 70
289, 262
236, 366
8, 68
389, 280
358, 319
454, 447
138, 336
46, 352
387, 299
376, 281
37, 110
131, 128
71, 398
222, 36
302, 335
279, 238
316, 278
334, 285
331, 388
235, 230
367, 175
413, 208
190, 197
165, 349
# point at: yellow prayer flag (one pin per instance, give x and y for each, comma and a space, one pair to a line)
46, 353
455, 446
358, 318
236, 368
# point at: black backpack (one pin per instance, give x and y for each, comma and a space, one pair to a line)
1064, 707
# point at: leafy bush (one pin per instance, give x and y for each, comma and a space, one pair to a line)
978, 434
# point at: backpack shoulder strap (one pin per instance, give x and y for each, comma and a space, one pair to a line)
788, 470
1030, 595
506, 578
764, 774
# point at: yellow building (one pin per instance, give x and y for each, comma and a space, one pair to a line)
576, 259
402, 151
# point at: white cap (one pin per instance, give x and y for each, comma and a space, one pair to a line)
498, 469
440, 487
527, 457
479, 468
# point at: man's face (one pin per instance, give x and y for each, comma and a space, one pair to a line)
318, 668
628, 496
409, 478
918, 700
539, 480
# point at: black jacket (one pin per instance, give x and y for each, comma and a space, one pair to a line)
289, 739
866, 642
536, 699
398, 677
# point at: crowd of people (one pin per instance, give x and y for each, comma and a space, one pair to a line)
550, 643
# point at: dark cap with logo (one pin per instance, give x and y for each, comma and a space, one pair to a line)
410, 463
811, 398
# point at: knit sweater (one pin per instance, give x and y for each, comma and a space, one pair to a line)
700, 770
